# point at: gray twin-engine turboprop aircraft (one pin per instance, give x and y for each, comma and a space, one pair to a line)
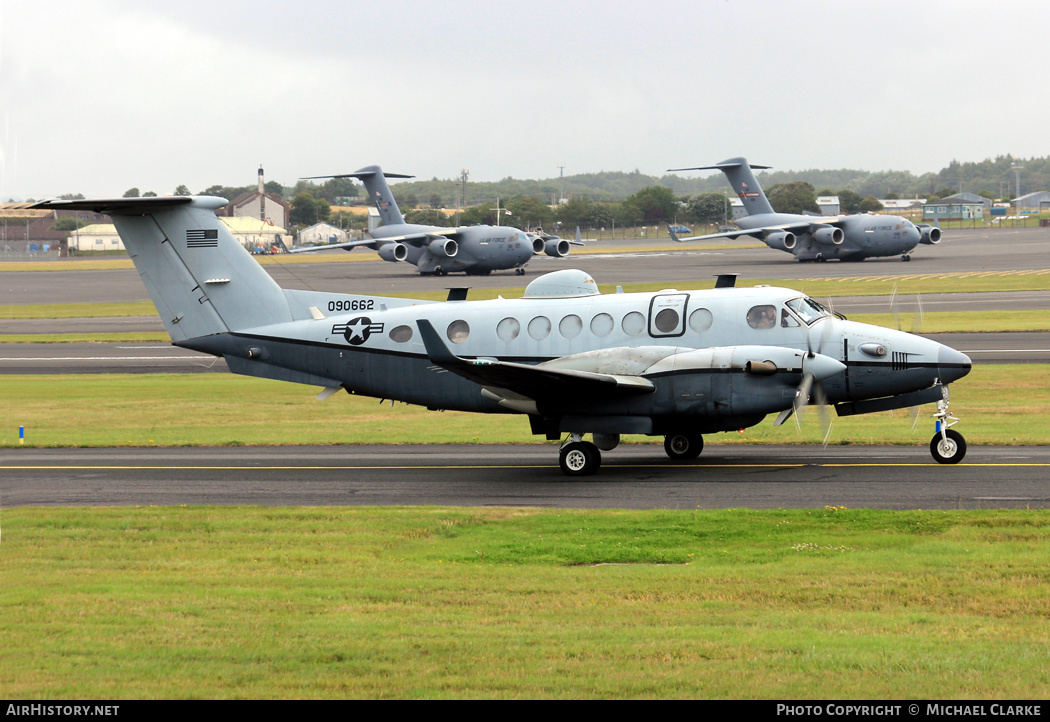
677, 364
813, 237
434, 250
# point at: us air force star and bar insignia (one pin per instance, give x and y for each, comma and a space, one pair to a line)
357, 331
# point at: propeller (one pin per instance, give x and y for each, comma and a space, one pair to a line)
917, 319
811, 389
917, 322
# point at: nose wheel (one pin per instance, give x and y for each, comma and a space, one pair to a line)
947, 445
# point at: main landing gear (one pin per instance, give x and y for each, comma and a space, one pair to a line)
683, 446
579, 458
947, 446
582, 458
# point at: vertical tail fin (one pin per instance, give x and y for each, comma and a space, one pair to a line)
200, 278
378, 191
738, 172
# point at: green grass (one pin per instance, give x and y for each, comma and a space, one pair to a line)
260, 603
998, 404
107, 337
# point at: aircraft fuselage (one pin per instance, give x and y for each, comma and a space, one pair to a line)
864, 236
481, 249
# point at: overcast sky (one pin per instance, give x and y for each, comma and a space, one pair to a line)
98, 96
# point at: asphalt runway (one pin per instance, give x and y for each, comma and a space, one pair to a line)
632, 477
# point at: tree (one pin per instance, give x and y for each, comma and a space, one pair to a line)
708, 207
307, 210
578, 211
528, 211
149, 194
131, 193
69, 223
653, 204
870, 204
427, 217
793, 197
849, 201
182, 191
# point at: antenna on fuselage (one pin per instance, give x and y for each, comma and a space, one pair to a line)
726, 280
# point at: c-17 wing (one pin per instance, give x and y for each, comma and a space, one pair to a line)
801, 226
412, 239
523, 385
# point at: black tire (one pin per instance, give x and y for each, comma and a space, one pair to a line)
683, 445
579, 458
950, 450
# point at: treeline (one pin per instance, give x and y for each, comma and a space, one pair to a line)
608, 198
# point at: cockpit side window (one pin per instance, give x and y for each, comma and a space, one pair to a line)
787, 320
808, 310
764, 316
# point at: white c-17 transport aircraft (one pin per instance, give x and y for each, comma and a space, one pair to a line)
677, 364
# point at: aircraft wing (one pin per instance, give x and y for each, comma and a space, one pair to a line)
763, 231
536, 383
348, 246
412, 239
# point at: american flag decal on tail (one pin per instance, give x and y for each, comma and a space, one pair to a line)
206, 238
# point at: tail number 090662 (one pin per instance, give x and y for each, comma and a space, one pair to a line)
355, 305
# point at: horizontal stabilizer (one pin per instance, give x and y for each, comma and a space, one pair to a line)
369, 172
124, 206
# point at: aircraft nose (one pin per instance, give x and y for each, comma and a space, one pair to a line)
914, 234
952, 364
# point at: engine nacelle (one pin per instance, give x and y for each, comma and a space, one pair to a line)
931, 235
781, 240
538, 245
444, 247
829, 236
557, 247
393, 252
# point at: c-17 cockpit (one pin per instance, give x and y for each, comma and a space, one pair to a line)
671, 363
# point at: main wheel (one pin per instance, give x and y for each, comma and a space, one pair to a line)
683, 445
949, 450
580, 458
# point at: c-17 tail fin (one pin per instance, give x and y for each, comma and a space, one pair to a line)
200, 278
378, 191
738, 172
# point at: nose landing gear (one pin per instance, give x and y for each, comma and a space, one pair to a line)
947, 446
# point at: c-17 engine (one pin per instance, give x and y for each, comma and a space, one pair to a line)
781, 240
931, 235
829, 236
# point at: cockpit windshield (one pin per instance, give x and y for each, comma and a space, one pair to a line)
808, 310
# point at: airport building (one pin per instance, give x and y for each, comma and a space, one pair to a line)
1033, 202
321, 233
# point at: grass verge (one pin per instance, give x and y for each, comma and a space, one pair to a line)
999, 404
211, 602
